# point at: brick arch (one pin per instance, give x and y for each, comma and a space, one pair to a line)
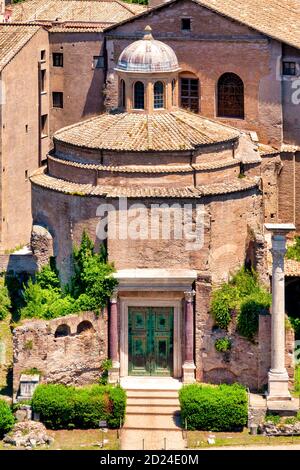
62, 330
85, 326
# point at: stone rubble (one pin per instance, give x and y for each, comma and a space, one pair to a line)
271, 429
28, 434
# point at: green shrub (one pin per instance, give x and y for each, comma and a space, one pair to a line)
5, 303
224, 301
106, 365
251, 307
210, 408
297, 379
63, 407
244, 295
223, 344
293, 251
295, 323
90, 287
6, 418
274, 419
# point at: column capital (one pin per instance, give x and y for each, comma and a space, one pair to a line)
114, 296
189, 295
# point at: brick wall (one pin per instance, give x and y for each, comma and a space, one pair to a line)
74, 359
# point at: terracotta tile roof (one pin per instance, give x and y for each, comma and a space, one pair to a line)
278, 19
290, 148
74, 10
40, 178
149, 168
12, 39
265, 150
135, 132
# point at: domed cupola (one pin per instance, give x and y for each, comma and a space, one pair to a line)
148, 56
148, 71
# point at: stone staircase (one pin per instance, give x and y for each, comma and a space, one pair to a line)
152, 409
152, 416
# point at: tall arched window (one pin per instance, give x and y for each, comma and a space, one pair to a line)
230, 96
159, 95
122, 94
139, 99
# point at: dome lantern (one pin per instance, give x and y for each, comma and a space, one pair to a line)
148, 71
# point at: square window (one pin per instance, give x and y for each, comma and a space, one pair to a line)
58, 59
185, 24
58, 99
44, 125
289, 68
98, 62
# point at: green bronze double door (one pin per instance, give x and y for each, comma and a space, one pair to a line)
150, 340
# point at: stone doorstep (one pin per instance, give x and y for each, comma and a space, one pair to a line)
162, 394
145, 401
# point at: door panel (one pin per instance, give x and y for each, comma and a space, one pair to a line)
150, 340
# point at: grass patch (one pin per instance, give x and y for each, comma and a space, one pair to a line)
78, 439
198, 439
7, 351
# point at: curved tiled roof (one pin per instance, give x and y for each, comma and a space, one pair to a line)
40, 178
148, 55
174, 131
165, 169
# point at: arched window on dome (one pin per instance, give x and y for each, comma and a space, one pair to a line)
122, 94
230, 96
173, 91
139, 95
159, 95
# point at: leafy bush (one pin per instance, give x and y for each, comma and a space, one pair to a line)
6, 418
273, 418
244, 295
69, 407
251, 307
223, 344
105, 366
210, 408
89, 289
5, 303
297, 379
224, 301
295, 323
293, 251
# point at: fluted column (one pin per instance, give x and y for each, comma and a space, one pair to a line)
189, 364
114, 373
278, 378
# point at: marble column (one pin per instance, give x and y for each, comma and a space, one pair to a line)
189, 364
278, 379
114, 373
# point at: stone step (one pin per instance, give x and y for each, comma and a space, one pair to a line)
150, 401
150, 421
152, 410
152, 394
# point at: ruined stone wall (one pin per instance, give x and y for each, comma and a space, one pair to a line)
214, 46
74, 359
247, 362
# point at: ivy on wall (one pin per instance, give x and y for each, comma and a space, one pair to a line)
242, 294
